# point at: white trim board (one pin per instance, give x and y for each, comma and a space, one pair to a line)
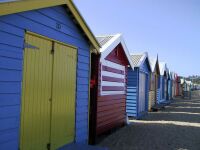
111, 44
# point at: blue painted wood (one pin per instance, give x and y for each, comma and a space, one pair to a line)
10, 54
9, 99
43, 22
9, 111
82, 81
83, 73
82, 88
82, 95
82, 102
11, 29
11, 39
132, 99
10, 75
10, 87
145, 67
159, 99
83, 109
10, 63
83, 52
11, 145
83, 66
9, 123
8, 135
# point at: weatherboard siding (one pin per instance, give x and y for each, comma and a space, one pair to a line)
12, 31
132, 99
111, 101
132, 93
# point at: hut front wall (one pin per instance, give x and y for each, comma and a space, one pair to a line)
132, 92
138, 91
152, 99
53, 23
111, 100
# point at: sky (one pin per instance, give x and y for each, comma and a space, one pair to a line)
169, 28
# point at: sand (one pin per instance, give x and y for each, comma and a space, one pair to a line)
177, 127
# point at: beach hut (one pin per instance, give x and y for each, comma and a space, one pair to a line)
108, 85
173, 84
169, 86
163, 82
186, 88
44, 74
154, 84
177, 85
138, 86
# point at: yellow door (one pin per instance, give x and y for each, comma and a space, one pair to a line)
48, 94
36, 93
63, 96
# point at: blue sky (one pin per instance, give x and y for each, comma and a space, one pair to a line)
170, 28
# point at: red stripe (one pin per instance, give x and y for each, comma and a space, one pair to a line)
111, 79
112, 88
109, 69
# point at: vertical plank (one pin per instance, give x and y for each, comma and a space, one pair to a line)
63, 96
36, 91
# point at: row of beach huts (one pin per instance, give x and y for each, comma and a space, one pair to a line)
60, 84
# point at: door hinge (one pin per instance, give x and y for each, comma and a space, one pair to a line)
48, 146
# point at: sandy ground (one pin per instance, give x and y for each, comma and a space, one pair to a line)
177, 127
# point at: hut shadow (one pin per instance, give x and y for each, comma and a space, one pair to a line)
151, 136
175, 127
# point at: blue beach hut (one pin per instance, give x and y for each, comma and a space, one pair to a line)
45, 51
163, 82
138, 86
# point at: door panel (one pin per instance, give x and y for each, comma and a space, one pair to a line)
142, 92
36, 92
63, 96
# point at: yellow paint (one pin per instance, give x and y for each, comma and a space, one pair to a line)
48, 94
27, 5
44, 37
63, 95
36, 92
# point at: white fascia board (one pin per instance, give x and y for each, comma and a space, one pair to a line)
111, 44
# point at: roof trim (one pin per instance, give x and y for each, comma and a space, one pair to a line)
111, 44
27, 5
163, 68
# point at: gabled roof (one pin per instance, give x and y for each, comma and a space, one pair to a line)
152, 63
11, 7
109, 42
163, 68
139, 59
